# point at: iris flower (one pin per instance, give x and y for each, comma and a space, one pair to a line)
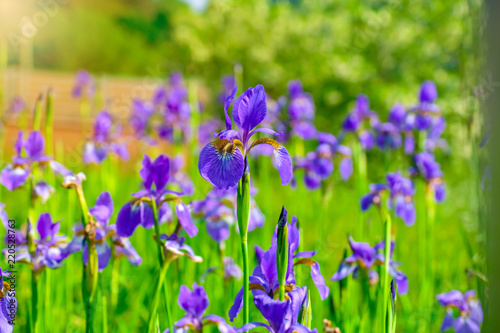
218, 210
155, 176
354, 120
318, 165
301, 111
99, 231
8, 304
430, 170
425, 110
49, 247
365, 258
17, 173
195, 303
469, 308
84, 85
104, 141
401, 192
223, 162
264, 284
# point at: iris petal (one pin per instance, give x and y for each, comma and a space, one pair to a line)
221, 164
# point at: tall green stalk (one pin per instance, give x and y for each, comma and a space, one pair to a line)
243, 213
387, 258
361, 182
49, 126
162, 263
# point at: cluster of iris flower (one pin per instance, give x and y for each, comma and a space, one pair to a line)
168, 109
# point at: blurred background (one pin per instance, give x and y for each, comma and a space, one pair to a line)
338, 49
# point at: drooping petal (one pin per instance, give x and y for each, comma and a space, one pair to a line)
283, 159
343, 271
274, 311
185, 220
251, 326
465, 325
43, 191
13, 177
128, 219
237, 306
221, 164
346, 168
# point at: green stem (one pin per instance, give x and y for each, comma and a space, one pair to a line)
430, 218
37, 120
49, 120
361, 187
161, 260
387, 258
156, 296
243, 213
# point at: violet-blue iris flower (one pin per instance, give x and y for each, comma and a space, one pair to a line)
84, 85
264, 282
387, 136
8, 304
361, 112
301, 111
470, 311
363, 257
218, 209
100, 231
430, 170
17, 173
195, 303
155, 176
49, 247
425, 109
401, 193
16, 105
105, 140
174, 247
400, 277
318, 165
223, 162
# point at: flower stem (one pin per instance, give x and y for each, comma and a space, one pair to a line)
161, 261
387, 258
361, 187
243, 213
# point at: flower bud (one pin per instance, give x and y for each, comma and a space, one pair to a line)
282, 253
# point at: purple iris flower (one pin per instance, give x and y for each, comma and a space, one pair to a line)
264, 284
49, 247
84, 85
470, 311
434, 139
387, 136
98, 232
400, 277
401, 192
223, 162
155, 176
365, 258
318, 165
105, 140
174, 247
195, 303
361, 112
430, 170
218, 209
8, 304
17, 105
425, 109
142, 111
301, 111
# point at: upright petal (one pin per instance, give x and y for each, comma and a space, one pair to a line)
146, 172
193, 302
221, 164
103, 208
161, 171
35, 145
250, 109
274, 311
